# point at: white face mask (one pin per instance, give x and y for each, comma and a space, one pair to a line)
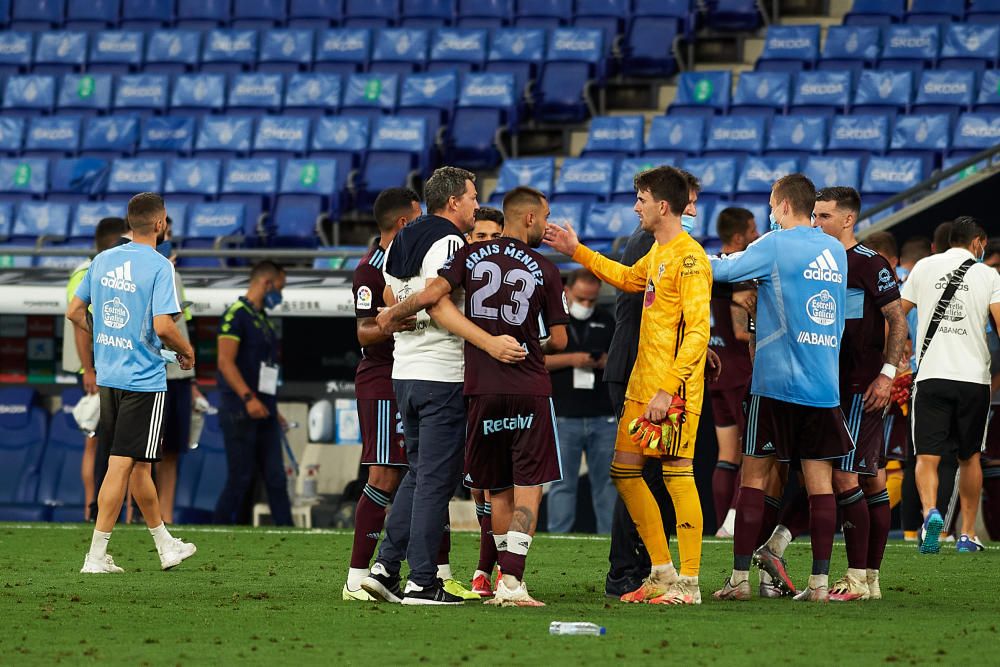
580, 312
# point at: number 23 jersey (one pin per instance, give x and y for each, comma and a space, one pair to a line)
510, 289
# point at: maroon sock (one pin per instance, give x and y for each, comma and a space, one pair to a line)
487, 546
723, 480
749, 516
772, 506
444, 550
795, 514
369, 517
856, 526
991, 501
880, 516
513, 564
822, 524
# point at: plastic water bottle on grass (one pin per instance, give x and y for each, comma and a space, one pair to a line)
575, 628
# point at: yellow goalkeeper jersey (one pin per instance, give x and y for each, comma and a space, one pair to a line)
674, 331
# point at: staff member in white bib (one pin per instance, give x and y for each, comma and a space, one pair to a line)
954, 293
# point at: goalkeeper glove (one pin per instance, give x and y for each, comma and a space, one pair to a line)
645, 433
900, 392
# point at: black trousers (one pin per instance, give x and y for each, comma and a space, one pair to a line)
628, 556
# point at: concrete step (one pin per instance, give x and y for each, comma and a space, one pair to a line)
666, 96
839, 8
577, 140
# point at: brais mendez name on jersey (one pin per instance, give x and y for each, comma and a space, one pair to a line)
510, 251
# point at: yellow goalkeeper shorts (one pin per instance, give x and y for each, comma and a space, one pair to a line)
677, 442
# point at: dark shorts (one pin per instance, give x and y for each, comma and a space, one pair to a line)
727, 407
132, 422
896, 434
382, 441
793, 432
867, 429
991, 453
949, 411
177, 417
511, 441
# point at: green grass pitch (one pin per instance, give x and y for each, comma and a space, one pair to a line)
272, 597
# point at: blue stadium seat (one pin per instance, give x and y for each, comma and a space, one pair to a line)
910, 47
484, 13
883, 91
37, 15
223, 136
605, 222
946, 91
40, 220
963, 173
344, 138
312, 95
875, 12
29, 95
717, 175
342, 51
144, 94
936, 11
109, 136
60, 52
821, 93
859, 135
461, 49
86, 216
738, 15
702, 93
167, 136
52, 136
6, 220
674, 137
11, 134
60, 487
970, 47
398, 146
115, 51
887, 176
983, 11
129, 176
850, 47
192, 181
623, 191
92, 15
85, 94
23, 179
229, 51
255, 94
566, 213
989, 92
371, 13
147, 14
281, 137
23, 431
761, 93
431, 97
259, 14
826, 172
251, 183
212, 225
311, 14
399, 51
924, 136
202, 14
585, 180
516, 51
198, 94
649, 47
172, 51
487, 106
574, 58
15, 52
427, 13
735, 136
536, 172
544, 14
308, 192
758, 176
796, 136
201, 473
285, 51
614, 137
789, 48
974, 132
76, 179
370, 95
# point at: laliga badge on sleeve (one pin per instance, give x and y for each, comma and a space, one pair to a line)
268, 381
364, 298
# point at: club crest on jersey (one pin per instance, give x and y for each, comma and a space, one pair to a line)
824, 268
659, 273
115, 314
822, 308
650, 296
364, 298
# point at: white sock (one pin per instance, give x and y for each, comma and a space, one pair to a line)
500, 541
739, 576
354, 577
779, 540
161, 536
819, 581
729, 524
765, 578
663, 573
99, 545
444, 572
857, 573
480, 573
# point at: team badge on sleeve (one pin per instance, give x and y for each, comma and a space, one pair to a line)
364, 298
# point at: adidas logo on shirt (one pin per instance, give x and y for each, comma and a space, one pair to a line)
119, 278
824, 268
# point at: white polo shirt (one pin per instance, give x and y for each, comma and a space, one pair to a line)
958, 350
430, 352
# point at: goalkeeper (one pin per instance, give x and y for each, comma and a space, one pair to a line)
665, 390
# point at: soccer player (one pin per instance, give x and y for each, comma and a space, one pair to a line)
730, 338
383, 451
664, 395
132, 290
488, 225
794, 409
511, 449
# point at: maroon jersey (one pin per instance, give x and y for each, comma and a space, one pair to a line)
373, 379
735, 354
509, 289
871, 284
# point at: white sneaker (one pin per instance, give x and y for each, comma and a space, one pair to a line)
850, 588
175, 553
685, 591
519, 597
874, 588
98, 566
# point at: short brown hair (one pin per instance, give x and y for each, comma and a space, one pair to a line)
694, 185
732, 221
142, 209
965, 230
665, 184
108, 231
799, 191
489, 213
265, 269
843, 197
581, 275
942, 233
915, 249
445, 183
522, 195
884, 243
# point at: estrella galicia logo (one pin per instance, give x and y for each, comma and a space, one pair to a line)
115, 314
822, 308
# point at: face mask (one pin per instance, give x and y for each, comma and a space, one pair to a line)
774, 222
166, 249
272, 299
688, 222
580, 312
